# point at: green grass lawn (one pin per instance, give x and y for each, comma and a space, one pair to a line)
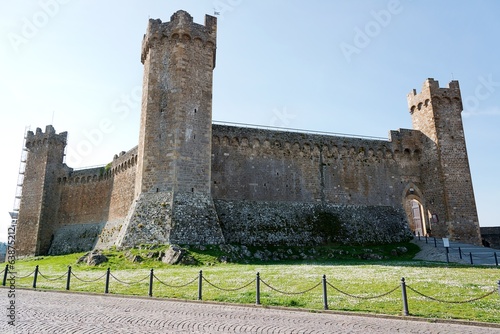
282, 282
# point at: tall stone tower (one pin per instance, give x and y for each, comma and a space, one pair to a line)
446, 176
174, 153
38, 208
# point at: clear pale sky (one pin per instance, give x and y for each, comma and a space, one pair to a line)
336, 66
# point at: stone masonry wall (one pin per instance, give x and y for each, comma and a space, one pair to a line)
293, 223
264, 165
491, 236
93, 205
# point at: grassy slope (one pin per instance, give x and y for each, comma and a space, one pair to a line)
342, 266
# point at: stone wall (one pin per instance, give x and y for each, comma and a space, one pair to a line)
166, 217
491, 236
265, 165
85, 197
93, 205
294, 223
75, 238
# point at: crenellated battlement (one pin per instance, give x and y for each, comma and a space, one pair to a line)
121, 163
124, 160
50, 137
180, 28
401, 144
431, 92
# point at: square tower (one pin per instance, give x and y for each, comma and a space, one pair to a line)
446, 176
173, 201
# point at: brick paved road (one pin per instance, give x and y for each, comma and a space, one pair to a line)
60, 312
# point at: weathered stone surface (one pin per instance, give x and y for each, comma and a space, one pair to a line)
176, 255
289, 223
75, 238
93, 258
147, 221
133, 257
195, 220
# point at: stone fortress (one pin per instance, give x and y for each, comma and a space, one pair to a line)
190, 181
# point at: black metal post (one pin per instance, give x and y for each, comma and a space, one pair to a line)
405, 298
257, 292
426, 241
151, 274
496, 258
460, 252
447, 256
435, 242
470, 255
5, 275
68, 280
325, 297
106, 289
35, 277
418, 235
200, 285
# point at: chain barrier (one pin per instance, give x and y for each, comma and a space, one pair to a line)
470, 254
451, 301
26, 275
290, 293
482, 257
459, 250
175, 286
129, 283
51, 279
257, 280
87, 281
1, 272
225, 289
362, 297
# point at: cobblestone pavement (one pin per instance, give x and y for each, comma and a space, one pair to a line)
61, 312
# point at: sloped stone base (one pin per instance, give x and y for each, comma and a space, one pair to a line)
75, 238
195, 220
147, 221
109, 234
164, 218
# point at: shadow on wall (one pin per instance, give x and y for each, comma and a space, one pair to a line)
75, 238
491, 236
